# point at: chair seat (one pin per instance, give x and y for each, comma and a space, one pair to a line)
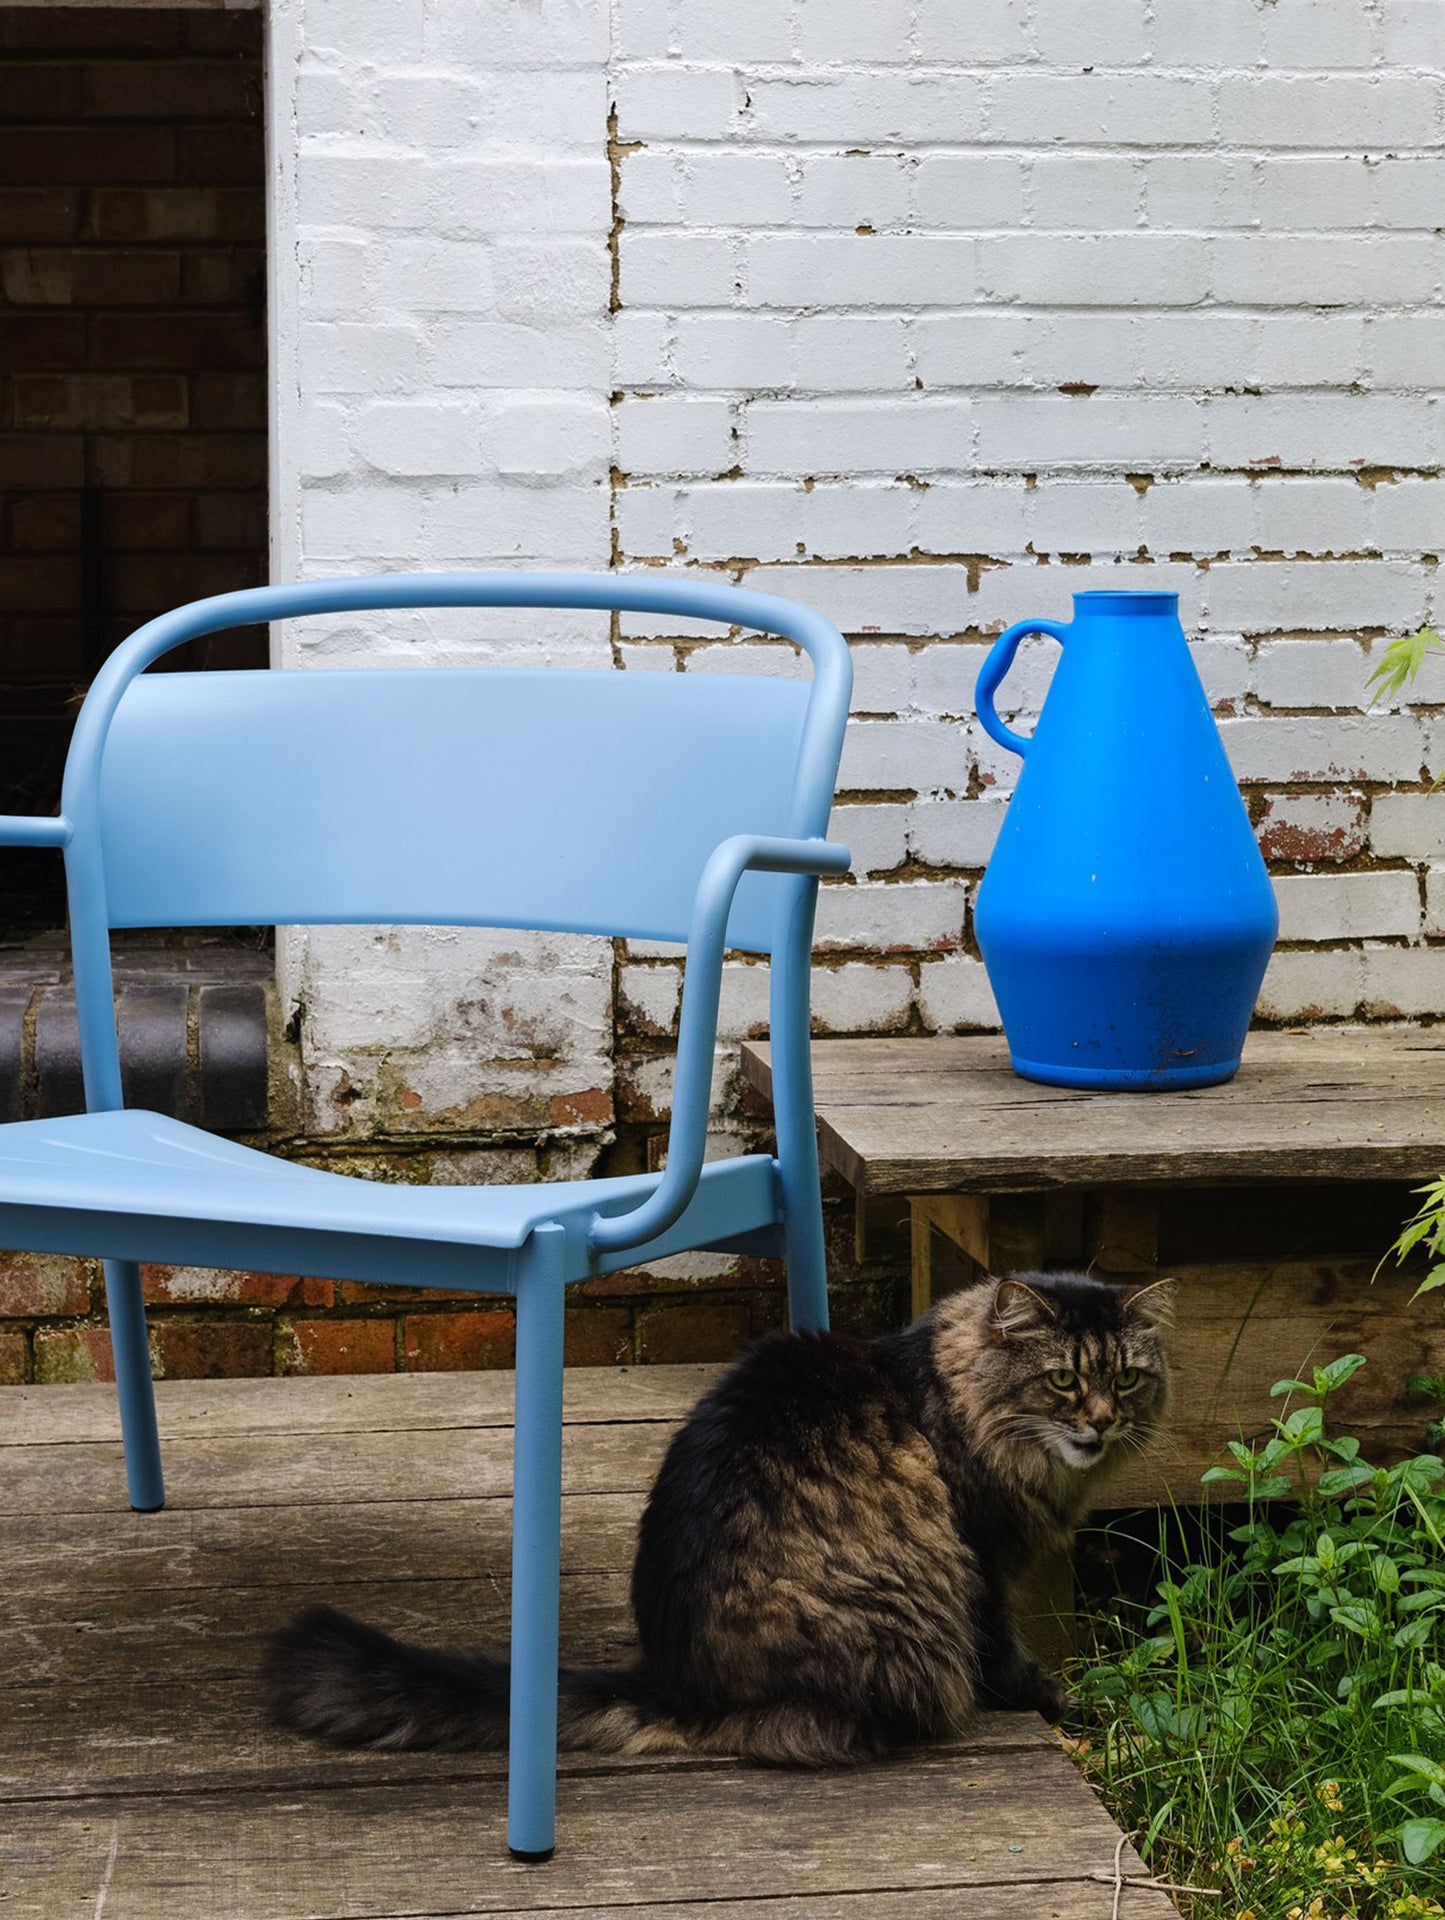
139, 1185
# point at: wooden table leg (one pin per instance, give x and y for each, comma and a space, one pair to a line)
998, 1233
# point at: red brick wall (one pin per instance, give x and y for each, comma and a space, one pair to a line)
132, 358
210, 1326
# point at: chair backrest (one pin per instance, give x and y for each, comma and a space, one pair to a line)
578, 801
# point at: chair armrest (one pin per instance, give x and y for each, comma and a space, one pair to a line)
697, 1024
34, 830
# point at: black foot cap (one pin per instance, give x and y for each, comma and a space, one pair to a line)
155, 1509
532, 1859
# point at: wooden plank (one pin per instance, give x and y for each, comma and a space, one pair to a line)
334, 1547
947, 1114
130, 1735
376, 1403
71, 1637
1240, 1328
949, 1146
330, 1469
957, 1819
1041, 1900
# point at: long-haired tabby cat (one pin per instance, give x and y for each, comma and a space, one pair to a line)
825, 1563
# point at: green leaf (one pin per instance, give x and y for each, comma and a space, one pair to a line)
1273, 1486
1413, 1636
1420, 1838
1212, 1474
1290, 1386
1356, 1617
1304, 1427
1387, 1574
1433, 1280
1337, 1372
1401, 661
1422, 1764
1345, 1479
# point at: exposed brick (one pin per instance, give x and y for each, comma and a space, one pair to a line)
1308, 829
79, 156
39, 342
206, 1286
219, 155
42, 1284
34, 215
12, 1359
337, 1346
597, 1336
195, 341
211, 1349
45, 523
70, 402
41, 460
459, 1342
43, 29
169, 90
692, 1330
65, 1354
175, 214
138, 522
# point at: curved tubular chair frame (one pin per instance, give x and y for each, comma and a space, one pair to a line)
654, 1215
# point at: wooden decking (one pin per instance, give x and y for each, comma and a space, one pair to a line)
139, 1782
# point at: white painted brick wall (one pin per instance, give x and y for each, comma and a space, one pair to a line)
929, 313
440, 177
886, 238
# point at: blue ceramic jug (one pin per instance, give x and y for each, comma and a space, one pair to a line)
1126, 917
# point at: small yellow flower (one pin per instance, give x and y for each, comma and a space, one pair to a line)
1334, 1856
1328, 1795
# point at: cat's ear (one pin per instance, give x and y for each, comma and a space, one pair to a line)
1153, 1306
1018, 1310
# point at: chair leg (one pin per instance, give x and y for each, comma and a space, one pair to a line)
133, 1384
795, 1122
536, 1552
807, 1268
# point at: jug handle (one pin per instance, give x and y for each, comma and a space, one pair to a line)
1000, 659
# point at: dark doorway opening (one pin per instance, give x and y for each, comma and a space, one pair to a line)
132, 364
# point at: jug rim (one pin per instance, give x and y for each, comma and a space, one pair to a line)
1127, 600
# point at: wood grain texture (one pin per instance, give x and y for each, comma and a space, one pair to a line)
948, 1114
377, 1403
257, 1469
631, 1837
137, 1737
139, 1780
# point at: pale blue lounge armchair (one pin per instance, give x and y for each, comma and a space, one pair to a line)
658, 806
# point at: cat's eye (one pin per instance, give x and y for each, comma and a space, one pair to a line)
1061, 1379
1126, 1379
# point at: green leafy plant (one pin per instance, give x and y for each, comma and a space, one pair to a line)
1401, 661
1273, 1725
1425, 1229
1399, 666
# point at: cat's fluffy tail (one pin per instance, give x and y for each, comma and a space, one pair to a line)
334, 1678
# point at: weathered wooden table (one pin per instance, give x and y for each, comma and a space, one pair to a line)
1272, 1199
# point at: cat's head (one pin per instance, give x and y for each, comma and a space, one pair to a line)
1067, 1369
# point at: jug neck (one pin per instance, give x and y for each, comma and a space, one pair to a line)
1119, 612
